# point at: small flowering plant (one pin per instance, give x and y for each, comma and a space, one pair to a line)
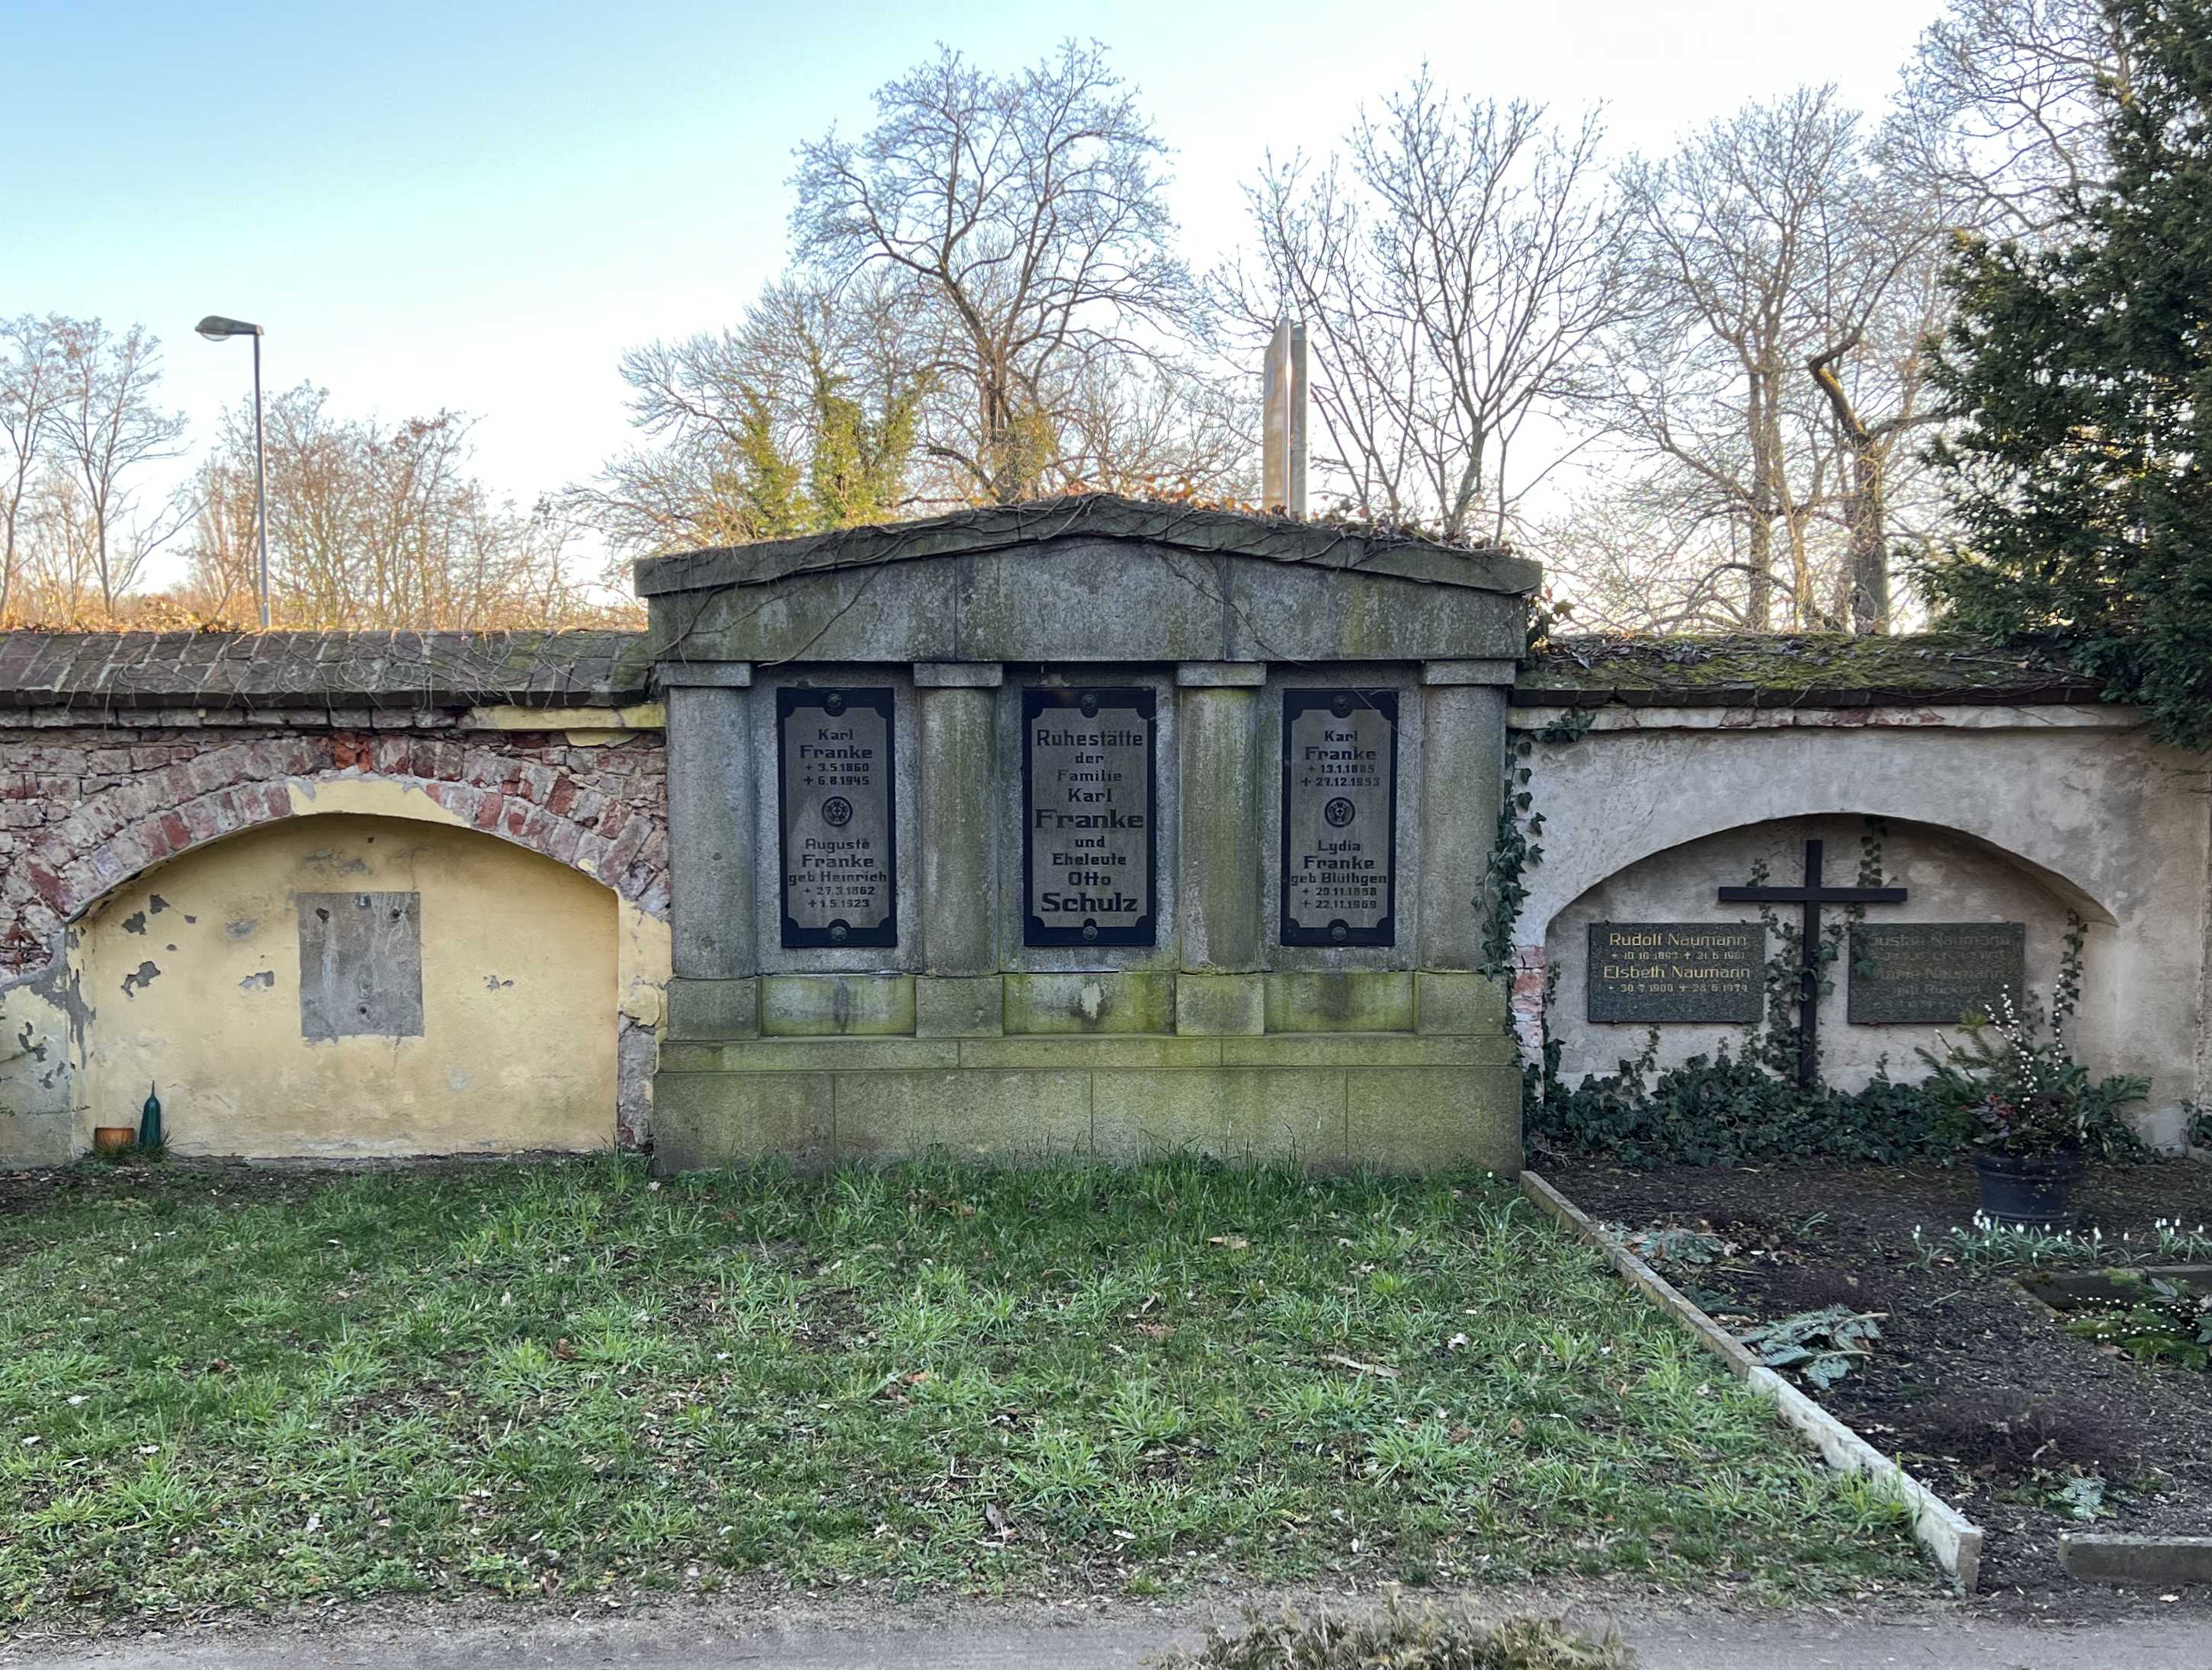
2012, 1087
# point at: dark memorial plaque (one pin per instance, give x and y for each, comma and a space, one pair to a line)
1089, 848
1676, 973
1932, 972
835, 792
1339, 818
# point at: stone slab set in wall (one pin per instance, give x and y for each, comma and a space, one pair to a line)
121, 754
1092, 828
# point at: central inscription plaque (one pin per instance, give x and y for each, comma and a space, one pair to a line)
1339, 818
833, 789
1089, 846
1676, 973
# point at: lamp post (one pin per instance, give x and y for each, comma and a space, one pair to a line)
216, 328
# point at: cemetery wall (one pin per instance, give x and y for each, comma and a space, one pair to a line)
2026, 806
173, 806
170, 805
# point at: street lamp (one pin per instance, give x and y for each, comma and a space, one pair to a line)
216, 328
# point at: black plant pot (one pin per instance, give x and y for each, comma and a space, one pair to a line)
2035, 1189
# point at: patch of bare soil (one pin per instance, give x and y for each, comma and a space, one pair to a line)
1972, 1385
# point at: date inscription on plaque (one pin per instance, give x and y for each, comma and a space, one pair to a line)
1676, 973
1339, 818
835, 794
1933, 973
1090, 854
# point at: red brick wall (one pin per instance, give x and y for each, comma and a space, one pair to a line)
84, 809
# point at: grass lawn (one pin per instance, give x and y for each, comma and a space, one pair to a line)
229, 1388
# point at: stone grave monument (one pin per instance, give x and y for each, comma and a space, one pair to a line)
1092, 828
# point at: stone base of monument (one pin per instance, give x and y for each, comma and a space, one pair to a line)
1362, 1082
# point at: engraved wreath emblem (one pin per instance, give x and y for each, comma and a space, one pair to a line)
1339, 812
836, 811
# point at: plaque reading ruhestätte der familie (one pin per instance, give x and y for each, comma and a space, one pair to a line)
1676, 973
1090, 857
1339, 884
835, 795
1934, 972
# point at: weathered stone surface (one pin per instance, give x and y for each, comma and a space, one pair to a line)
959, 1006
1219, 1004
1133, 1000
1367, 1049
1462, 791
703, 1120
109, 673
1218, 845
966, 1114
837, 1005
1103, 1051
711, 834
1356, 1000
1445, 1002
1294, 1115
748, 1055
961, 794
1102, 517
714, 1008
1429, 1119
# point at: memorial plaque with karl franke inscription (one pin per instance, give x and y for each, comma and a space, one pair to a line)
1339, 845
1934, 972
1089, 852
1676, 973
835, 794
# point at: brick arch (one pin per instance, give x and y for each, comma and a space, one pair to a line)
524, 789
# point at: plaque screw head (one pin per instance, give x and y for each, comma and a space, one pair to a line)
1090, 931
1089, 705
1341, 705
1339, 933
834, 702
837, 932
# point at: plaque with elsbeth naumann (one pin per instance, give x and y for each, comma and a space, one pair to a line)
1676, 973
1090, 852
835, 797
1339, 836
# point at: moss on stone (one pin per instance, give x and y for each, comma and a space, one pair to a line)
1928, 664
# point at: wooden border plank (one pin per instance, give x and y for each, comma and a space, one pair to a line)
1952, 1539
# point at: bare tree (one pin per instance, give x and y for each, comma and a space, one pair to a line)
2002, 108
107, 425
1768, 369
1022, 216
30, 387
1454, 266
375, 525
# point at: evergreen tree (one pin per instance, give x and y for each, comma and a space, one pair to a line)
2081, 472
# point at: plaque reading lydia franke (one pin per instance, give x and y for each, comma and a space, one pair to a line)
1339, 818
834, 786
1089, 853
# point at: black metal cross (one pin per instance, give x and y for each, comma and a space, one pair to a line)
1812, 896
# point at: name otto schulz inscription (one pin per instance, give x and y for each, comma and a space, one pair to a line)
1088, 836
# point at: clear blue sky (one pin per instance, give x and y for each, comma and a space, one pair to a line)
479, 205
